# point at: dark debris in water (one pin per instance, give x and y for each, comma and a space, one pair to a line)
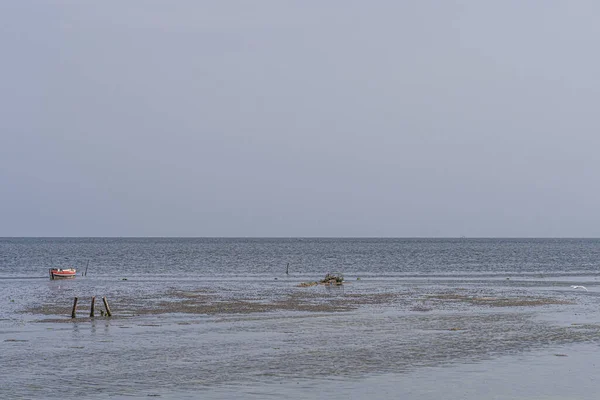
329, 280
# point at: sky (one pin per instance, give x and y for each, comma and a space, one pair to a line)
300, 118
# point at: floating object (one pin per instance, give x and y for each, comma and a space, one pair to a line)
331, 279
579, 287
60, 273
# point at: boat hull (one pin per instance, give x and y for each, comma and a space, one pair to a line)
58, 273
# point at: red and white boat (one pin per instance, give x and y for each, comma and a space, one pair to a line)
60, 273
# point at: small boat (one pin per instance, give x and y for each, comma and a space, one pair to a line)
60, 273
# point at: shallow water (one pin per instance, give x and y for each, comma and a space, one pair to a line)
536, 375
451, 330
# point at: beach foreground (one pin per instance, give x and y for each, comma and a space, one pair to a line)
420, 338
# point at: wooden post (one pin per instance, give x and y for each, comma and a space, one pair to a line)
106, 306
92, 307
74, 308
287, 269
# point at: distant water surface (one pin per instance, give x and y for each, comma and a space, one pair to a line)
368, 257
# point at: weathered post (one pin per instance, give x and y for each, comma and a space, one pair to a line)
74, 308
108, 313
92, 307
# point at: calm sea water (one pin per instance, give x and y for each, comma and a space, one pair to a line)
375, 350
28, 257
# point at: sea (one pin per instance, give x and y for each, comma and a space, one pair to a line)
230, 318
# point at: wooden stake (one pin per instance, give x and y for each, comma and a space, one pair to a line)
86, 267
287, 269
106, 306
92, 307
74, 308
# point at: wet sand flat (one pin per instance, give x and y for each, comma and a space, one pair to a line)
196, 337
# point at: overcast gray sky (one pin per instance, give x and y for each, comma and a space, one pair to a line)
300, 118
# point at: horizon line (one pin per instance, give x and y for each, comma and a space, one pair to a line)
299, 237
